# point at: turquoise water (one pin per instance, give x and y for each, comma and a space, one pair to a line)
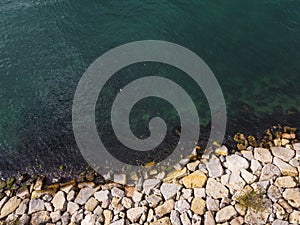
45, 46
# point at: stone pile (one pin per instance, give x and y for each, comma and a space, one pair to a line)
252, 186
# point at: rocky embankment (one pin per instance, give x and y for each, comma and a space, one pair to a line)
253, 185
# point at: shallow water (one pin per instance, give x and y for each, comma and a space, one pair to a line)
45, 46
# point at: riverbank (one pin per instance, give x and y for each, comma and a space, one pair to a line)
257, 182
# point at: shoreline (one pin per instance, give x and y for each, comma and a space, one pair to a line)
241, 170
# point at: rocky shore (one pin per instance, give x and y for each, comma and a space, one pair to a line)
256, 183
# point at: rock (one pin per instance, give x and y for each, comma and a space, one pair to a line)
198, 206
280, 222
55, 216
274, 193
223, 150
193, 165
286, 182
196, 220
199, 192
23, 192
214, 168
89, 219
59, 201
150, 184
72, 207
285, 205
279, 211
212, 204
169, 190
296, 146
153, 200
175, 217
195, 180
91, 204
285, 154
182, 206
269, 172
134, 214
256, 217
236, 163
102, 196
120, 178
295, 217
83, 195
186, 193
36, 205
235, 182
226, 214
39, 183
118, 222
173, 176
137, 196
40, 217
240, 209
263, 155
292, 196
117, 192
22, 209
216, 189
248, 177
185, 219
209, 218
255, 167
162, 221
285, 168
108, 215
24, 220
10, 206
165, 208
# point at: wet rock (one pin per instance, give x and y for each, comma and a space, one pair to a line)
175, 175
195, 180
225, 214
198, 206
120, 178
10, 206
216, 189
263, 155
169, 190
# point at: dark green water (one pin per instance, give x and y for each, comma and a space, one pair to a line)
253, 48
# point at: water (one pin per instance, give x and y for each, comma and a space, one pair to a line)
45, 46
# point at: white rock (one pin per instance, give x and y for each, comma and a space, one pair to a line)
196, 219
169, 190
225, 214
236, 162
214, 168
199, 192
235, 182
55, 216
285, 168
212, 204
285, 154
118, 222
137, 196
153, 200
247, 155
22, 207
89, 219
263, 155
296, 146
149, 184
72, 207
185, 219
274, 193
295, 217
10, 206
36, 205
269, 172
59, 201
209, 219
117, 192
216, 189
286, 182
182, 206
248, 177
223, 150
165, 208
292, 196
280, 222
102, 196
134, 214
255, 167
83, 195
175, 217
